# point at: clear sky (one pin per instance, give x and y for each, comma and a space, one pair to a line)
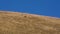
41, 7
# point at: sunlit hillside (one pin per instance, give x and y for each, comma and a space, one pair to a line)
22, 23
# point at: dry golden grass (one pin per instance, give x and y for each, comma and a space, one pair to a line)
20, 23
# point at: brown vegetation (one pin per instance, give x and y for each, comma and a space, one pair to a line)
20, 23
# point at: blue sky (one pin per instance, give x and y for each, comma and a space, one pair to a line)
41, 7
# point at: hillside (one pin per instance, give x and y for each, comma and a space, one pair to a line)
22, 23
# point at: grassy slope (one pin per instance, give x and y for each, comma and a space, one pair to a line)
19, 23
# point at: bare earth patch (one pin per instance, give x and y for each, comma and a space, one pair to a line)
22, 23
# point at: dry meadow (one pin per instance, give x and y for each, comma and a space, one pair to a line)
22, 23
